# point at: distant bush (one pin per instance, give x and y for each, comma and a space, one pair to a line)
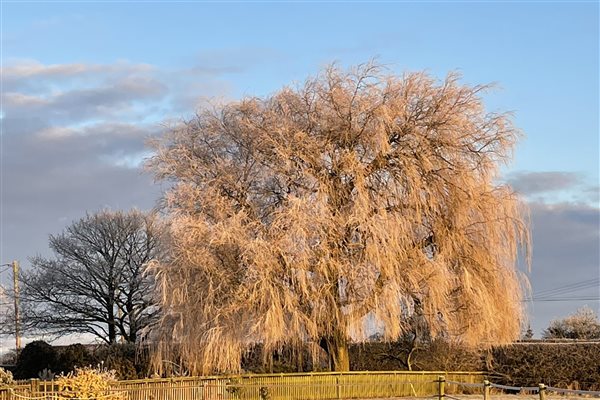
583, 324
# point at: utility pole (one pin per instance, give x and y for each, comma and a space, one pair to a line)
15, 268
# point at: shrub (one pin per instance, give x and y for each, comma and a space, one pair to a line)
74, 355
6, 378
125, 359
88, 383
34, 358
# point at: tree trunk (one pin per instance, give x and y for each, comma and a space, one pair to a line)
336, 347
112, 324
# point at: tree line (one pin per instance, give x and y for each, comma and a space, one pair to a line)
358, 201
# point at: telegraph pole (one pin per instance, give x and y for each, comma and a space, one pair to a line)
15, 268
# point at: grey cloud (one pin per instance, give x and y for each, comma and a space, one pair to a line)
106, 100
592, 194
530, 183
65, 149
567, 232
566, 249
52, 179
75, 93
33, 76
36, 205
73, 137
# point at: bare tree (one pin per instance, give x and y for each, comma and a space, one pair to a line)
95, 283
583, 324
326, 211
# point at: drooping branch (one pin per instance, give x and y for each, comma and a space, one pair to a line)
357, 197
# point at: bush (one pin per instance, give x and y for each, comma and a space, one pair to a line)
6, 378
125, 359
74, 355
88, 383
34, 358
584, 324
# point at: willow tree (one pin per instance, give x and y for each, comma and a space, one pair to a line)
355, 202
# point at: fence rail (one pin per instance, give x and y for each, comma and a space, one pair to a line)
299, 386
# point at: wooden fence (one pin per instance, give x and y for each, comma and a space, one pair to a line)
305, 386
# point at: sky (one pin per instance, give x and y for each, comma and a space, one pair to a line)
85, 84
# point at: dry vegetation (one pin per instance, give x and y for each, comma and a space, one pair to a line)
88, 383
359, 199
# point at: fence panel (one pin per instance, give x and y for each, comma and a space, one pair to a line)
295, 386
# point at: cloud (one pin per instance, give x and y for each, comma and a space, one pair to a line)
54, 175
16, 100
566, 249
31, 75
568, 233
105, 100
565, 227
591, 194
31, 69
530, 183
73, 139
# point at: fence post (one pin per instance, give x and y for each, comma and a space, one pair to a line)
486, 389
34, 385
441, 387
542, 391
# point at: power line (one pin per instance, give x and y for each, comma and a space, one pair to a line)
570, 287
554, 294
590, 298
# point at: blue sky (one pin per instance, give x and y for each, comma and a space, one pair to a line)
85, 82
544, 56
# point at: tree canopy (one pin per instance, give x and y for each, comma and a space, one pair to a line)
356, 202
95, 283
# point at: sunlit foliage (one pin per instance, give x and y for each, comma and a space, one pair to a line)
357, 201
